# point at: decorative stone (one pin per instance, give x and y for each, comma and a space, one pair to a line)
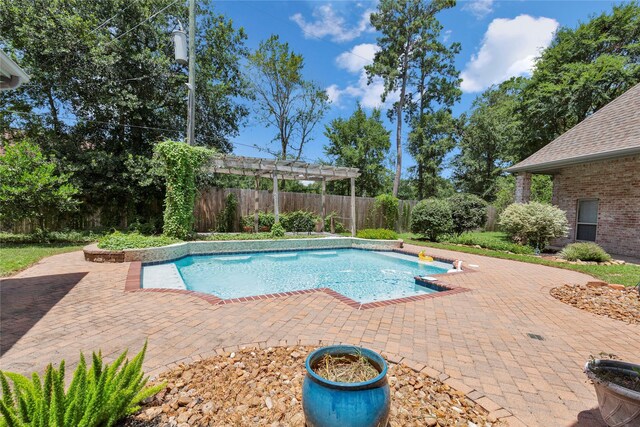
268, 391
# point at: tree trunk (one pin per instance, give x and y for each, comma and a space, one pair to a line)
420, 180
396, 180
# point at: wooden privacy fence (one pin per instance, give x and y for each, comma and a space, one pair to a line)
211, 202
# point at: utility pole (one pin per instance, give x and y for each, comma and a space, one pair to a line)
191, 113
182, 58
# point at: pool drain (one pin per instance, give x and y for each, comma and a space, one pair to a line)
536, 337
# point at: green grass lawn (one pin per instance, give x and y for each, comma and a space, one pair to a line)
16, 257
628, 275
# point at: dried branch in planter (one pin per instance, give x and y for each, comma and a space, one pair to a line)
349, 368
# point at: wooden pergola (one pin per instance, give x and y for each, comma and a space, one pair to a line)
287, 169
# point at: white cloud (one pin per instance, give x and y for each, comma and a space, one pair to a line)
509, 49
359, 56
354, 61
369, 95
480, 8
328, 23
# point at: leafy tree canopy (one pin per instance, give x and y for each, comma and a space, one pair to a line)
583, 69
104, 89
361, 142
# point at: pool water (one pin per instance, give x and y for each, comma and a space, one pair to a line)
364, 276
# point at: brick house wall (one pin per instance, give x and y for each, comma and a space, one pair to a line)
616, 185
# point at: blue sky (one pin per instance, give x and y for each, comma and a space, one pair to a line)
499, 39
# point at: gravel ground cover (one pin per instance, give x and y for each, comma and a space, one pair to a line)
263, 387
620, 304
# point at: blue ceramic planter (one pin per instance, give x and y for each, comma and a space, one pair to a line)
332, 404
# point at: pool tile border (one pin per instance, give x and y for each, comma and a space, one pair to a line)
133, 284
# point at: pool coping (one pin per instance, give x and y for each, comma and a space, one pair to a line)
134, 284
176, 251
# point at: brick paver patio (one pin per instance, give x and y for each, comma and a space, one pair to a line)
477, 338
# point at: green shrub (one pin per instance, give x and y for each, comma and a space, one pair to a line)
468, 212
265, 221
31, 187
98, 396
431, 218
181, 162
299, 221
533, 223
493, 240
118, 241
40, 236
377, 233
584, 251
144, 227
277, 230
337, 225
386, 205
251, 236
228, 215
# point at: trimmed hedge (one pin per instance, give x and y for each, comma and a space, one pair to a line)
377, 234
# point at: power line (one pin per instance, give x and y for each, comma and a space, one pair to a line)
78, 119
146, 20
117, 13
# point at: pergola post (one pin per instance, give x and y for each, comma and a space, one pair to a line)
256, 205
324, 204
276, 208
353, 207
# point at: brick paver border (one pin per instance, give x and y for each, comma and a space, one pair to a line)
134, 284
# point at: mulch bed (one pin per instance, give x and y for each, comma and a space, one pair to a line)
263, 387
620, 304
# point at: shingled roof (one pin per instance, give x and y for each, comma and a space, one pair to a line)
612, 131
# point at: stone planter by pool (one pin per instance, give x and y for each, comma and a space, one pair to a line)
363, 404
619, 406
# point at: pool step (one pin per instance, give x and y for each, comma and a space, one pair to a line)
233, 259
282, 256
165, 276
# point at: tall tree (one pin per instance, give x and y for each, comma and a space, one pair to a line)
582, 70
409, 31
433, 136
104, 89
285, 100
361, 142
491, 134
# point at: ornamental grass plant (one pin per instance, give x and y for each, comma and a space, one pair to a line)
99, 395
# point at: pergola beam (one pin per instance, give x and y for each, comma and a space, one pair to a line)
287, 169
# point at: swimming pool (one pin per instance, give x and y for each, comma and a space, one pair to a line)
361, 275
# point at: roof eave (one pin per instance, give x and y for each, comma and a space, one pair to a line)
553, 166
10, 69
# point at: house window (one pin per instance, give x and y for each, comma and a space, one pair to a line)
587, 220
